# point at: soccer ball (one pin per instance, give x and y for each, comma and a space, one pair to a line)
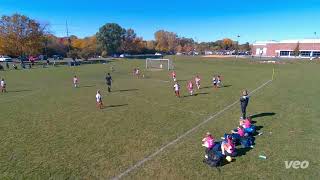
228, 158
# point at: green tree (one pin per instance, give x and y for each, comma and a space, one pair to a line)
131, 43
110, 37
22, 35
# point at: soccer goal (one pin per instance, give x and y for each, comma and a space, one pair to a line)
159, 64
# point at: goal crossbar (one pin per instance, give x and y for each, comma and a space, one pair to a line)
158, 64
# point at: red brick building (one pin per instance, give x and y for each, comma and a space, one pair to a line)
308, 48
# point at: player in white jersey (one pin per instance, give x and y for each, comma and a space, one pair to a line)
99, 100
3, 86
75, 81
197, 80
176, 88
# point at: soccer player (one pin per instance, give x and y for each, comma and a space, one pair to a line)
176, 88
75, 82
109, 81
99, 100
137, 72
214, 81
190, 88
197, 80
219, 81
3, 85
173, 75
134, 71
244, 101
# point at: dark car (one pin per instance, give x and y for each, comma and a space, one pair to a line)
42, 57
23, 58
57, 57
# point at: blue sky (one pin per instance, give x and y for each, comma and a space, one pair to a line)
204, 20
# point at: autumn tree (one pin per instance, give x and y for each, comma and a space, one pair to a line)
227, 44
22, 35
166, 41
110, 37
55, 46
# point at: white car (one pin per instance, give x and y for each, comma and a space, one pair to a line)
158, 54
5, 58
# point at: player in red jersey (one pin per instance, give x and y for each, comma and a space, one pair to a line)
190, 88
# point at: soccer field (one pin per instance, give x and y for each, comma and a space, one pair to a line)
48, 129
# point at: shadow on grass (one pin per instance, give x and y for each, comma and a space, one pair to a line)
119, 105
125, 90
228, 85
224, 86
194, 95
262, 115
87, 86
22, 90
242, 151
206, 87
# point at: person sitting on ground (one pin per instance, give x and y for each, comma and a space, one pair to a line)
228, 147
239, 133
246, 123
208, 141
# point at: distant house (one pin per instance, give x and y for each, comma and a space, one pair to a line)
308, 48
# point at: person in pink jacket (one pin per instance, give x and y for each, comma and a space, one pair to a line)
208, 141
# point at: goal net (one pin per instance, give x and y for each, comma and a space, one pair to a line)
159, 64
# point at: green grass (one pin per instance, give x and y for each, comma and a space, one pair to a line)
48, 129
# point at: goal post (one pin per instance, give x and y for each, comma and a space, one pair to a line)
159, 64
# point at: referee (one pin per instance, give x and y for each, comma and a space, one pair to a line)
244, 101
109, 81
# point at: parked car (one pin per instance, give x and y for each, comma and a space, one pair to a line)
5, 58
57, 57
33, 58
23, 58
42, 57
158, 54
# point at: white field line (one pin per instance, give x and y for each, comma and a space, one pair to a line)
141, 162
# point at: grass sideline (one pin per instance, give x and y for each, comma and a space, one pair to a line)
50, 130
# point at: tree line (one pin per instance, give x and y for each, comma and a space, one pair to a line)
23, 36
